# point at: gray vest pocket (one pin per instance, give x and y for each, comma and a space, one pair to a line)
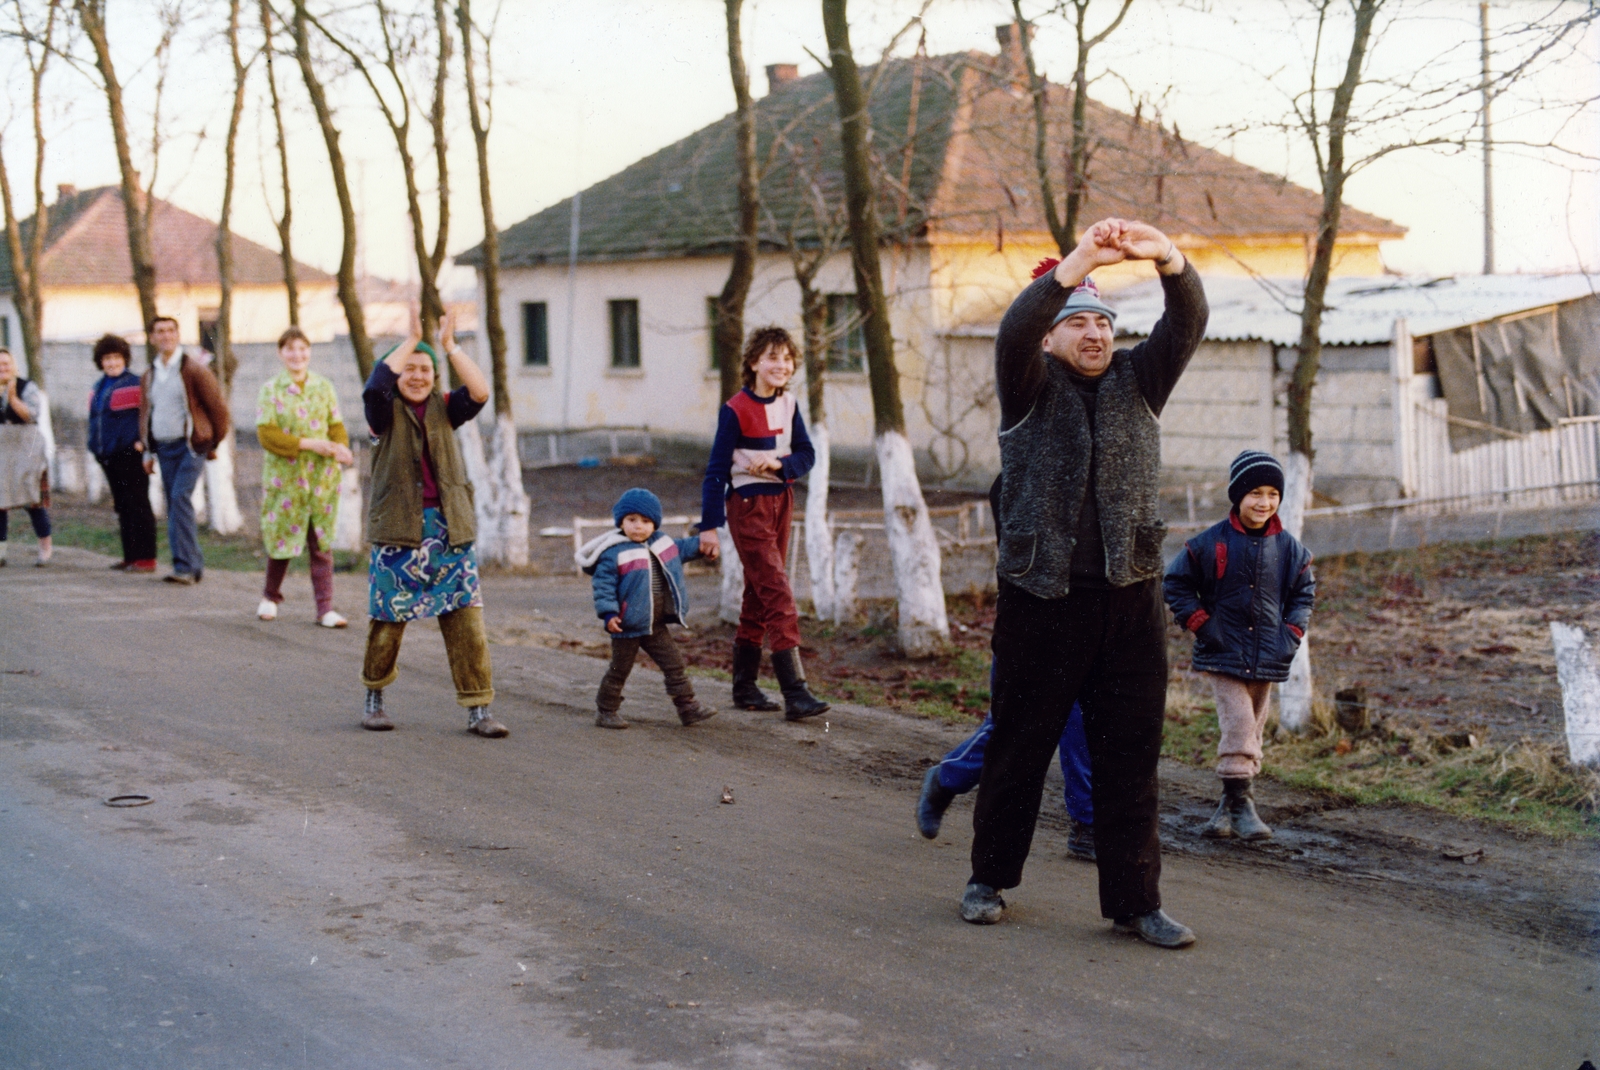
1147, 540
1016, 553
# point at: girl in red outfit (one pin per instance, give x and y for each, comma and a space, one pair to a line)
761, 448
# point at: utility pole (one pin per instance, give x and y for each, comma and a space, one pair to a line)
1488, 178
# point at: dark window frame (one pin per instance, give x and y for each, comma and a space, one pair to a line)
535, 334
623, 314
847, 351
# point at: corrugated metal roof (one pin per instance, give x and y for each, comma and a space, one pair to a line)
1360, 310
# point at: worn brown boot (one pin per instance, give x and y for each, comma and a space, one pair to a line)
690, 711
609, 719
373, 719
480, 723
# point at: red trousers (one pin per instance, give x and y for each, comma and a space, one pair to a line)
759, 525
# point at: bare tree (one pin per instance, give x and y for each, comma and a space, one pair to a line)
37, 44
1064, 229
729, 327
225, 516
399, 46
136, 201
509, 503
291, 281
349, 295
913, 548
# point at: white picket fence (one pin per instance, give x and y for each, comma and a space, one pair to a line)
1541, 468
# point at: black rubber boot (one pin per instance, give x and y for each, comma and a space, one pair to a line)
1247, 825
746, 667
1220, 827
933, 802
798, 701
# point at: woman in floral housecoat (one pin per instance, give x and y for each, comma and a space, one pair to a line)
304, 443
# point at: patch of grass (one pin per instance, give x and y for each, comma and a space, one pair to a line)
1526, 785
228, 553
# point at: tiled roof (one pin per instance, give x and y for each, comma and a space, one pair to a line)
87, 245
971, 172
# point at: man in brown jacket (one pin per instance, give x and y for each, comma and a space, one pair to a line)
182, 417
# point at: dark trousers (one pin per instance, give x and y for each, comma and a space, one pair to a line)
663, 650
130, 494
1107, 651
321, 574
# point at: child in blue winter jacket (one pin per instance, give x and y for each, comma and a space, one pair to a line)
1244, 588
638, 591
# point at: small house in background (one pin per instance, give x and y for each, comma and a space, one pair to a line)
88, 290
1438, 389
608, 296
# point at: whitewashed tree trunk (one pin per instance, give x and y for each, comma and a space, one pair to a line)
732, 577
1580, 692
913, 550
510, 501
347, 527
199, 499
1294, 694
94, 480
846, 574
158, 496
470, 441
225, 515
819, 535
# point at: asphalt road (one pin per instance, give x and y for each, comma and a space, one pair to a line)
304, 894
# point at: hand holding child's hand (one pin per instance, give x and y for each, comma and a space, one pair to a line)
614, 625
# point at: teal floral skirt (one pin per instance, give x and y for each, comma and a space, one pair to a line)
411, 583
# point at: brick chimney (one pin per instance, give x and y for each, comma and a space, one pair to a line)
780, 75
1012, 64
65, 191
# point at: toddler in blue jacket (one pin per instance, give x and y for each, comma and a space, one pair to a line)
1244, 588
638, 591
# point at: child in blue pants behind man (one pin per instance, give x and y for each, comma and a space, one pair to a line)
957, 773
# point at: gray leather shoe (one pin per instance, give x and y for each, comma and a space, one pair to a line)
1156, 928
1080, 842
480, 723
373, 719
982, 905
932, 803
609, 719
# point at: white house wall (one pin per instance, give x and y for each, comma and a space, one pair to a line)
260, 313
674, 392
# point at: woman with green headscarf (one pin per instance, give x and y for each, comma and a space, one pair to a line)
421, 523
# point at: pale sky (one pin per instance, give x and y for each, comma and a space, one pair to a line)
586, 89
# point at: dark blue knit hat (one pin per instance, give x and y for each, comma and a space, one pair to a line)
1252, 469
638, 500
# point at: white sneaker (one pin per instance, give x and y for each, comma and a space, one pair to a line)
331, 619
267, 610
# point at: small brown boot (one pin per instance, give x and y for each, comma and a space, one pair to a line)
690, 711
373, 719
609, 719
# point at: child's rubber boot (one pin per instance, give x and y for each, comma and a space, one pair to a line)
609, 719
932, 803
481, 723
798, 701
373, 719
1247, 825
690, 711
746, 667
1220, 827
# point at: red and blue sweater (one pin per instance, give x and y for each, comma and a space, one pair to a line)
751, 428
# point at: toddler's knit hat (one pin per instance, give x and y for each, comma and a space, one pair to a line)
1252, 469
1085, 298
638, 500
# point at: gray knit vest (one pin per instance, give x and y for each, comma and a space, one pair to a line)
1044, 464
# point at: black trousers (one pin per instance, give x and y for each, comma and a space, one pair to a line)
1107, 650
130, 493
